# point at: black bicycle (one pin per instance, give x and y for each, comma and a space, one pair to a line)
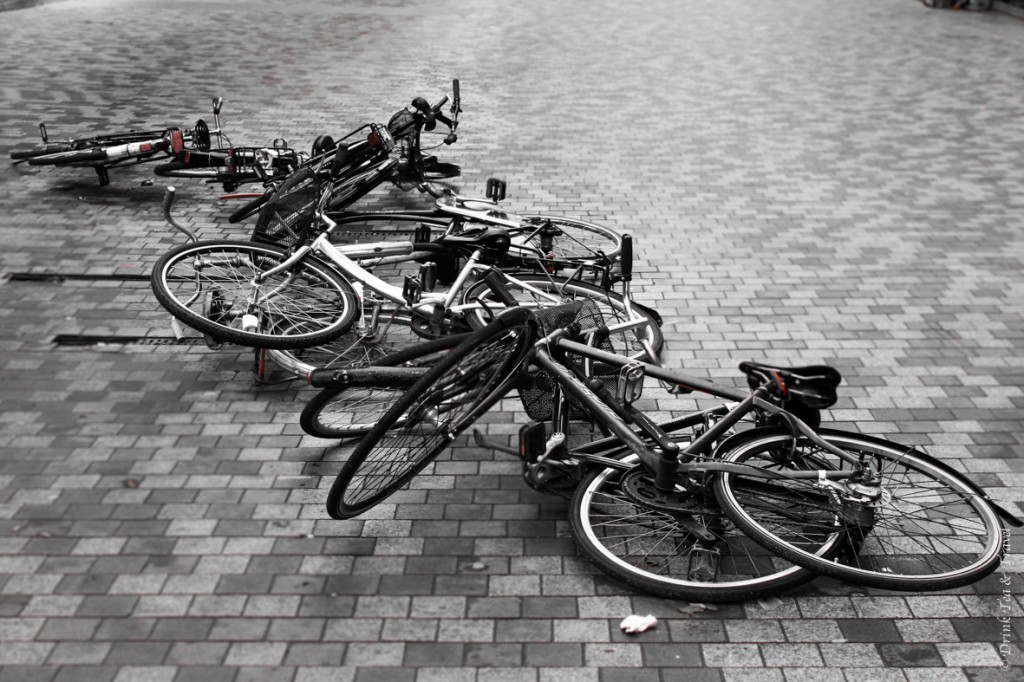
730, 502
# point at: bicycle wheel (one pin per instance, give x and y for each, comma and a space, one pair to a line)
210, 286
347, 412
655, 548
358, 347
929, 530
612, 307
431, 414
90, 155
563, 239
23, 154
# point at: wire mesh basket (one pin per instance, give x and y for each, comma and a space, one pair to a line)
536, 390
289, 217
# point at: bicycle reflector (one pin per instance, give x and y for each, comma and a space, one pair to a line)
374, 139
177, 141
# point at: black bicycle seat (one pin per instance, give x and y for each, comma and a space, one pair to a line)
813, 385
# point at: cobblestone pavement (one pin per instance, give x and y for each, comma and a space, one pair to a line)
808, 181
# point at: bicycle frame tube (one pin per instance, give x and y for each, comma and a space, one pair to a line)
676, 378
747, 402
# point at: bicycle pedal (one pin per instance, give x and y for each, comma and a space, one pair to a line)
412, 290
495, 189
532, 441
703, 564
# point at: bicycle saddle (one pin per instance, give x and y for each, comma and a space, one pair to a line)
813, 385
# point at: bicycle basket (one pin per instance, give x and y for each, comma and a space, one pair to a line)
287, 219
536, 389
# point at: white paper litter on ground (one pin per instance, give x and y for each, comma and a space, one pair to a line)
635, 624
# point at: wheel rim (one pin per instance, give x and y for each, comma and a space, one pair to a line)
652, 543
929, 530
433, 420
303, 302
354, 348
578, 240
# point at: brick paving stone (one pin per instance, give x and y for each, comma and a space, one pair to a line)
823, 187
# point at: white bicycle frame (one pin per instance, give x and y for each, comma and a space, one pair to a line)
342, 258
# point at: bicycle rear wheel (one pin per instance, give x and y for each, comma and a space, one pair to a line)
427, 418
211, 287
611, 305
659, 551
348, 412
929, 530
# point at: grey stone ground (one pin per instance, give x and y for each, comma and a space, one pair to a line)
809, 180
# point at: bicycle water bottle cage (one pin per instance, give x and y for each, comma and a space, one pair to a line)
495, 189
813, 386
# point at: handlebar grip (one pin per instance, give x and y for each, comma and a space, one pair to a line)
168, 200
250, 208
439, 103
455, 90
496, 283
626, 258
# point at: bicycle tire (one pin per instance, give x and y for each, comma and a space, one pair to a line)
222, 174
307, 305
355, 348
452, 394
23, 154
348, 412
649, 549
928, 514
92, 155
579, 240
611, 305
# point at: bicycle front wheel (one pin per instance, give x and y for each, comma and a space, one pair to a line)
427, 418
212, 287
657, 549
348, 412
929, 530
563, 239
558, 290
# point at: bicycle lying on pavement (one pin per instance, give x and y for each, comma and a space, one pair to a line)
362, 160
727, 503
102, 152
280, 299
